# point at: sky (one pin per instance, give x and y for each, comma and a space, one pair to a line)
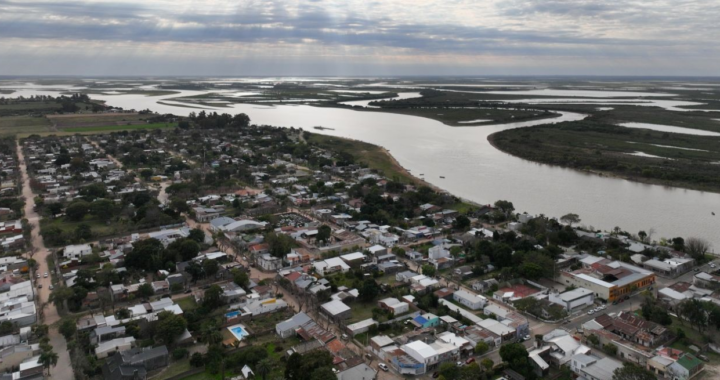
360, 37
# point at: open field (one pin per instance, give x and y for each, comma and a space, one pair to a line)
458, 117
11, 125
95, 119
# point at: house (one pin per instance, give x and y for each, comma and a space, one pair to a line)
77, 251
426, 320
358, 372
471, 300
12, 356
336, 310
464, 271
268, 262
672, 267
353, 259
332, 265
104, 333
105, 349
135, 363
286, 329
360, 327
205, 214
573, 299
593, 368
686, 367
394, 305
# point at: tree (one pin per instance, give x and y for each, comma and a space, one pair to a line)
461, 223
642, 235
481, 348
570, 219
146, 290
210, 267
449, 370
54, 208
630, 371
487, 363
212, 298
593, 339
197, 234
280, 244
103, 209
369, 290
48, 358
610, 349
697, 248
196, 360
169, 327
146, 174
516, 356
83, 232
143, 252
240, 278
324, 233
323, 373
77, 210
67, 329
264, 367
428, 270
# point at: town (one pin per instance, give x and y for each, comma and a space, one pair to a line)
223, 248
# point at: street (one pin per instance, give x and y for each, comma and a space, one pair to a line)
63, 370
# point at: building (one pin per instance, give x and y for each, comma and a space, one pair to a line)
336, 310
609, 280
573, 299
359, 372
360, 327
286, 329
105, 349
135, 363
394, 305
12, 356
670, 267
593, 368
686, 367
331, 265
470, 300
77, 251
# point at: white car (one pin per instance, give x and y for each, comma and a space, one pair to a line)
38, 275
712, 265
383, 367
45, 275
591, 312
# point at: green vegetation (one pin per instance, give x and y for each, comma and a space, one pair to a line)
12, 125
594, 145
111, 128
373, 156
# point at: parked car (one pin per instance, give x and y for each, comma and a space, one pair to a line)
526, 338
591, 312
38, 275
435, 375
45, 275
51, 287
39, 286
470, 360
383, 367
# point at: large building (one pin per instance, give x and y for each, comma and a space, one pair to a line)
609, 280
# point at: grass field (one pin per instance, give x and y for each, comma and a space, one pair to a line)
111, 128
11, 125
374, 156
186, 304
99, 229
456, 117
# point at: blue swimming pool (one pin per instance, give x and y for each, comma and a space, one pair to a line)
232, 314
238, 331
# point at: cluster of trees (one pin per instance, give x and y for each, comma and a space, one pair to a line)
541, 308
517, 358
215, 121
138, 209
655, 312
150, 254
700, 314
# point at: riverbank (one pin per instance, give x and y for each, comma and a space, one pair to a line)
644, 156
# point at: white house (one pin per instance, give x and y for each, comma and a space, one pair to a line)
471, 300
77, 251
573, 299
331, 265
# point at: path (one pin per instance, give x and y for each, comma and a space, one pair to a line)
63, 369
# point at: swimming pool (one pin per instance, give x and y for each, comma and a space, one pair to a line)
232, 314
238, 331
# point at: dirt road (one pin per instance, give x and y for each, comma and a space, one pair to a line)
63, 370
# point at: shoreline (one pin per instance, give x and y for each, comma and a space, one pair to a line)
607, 174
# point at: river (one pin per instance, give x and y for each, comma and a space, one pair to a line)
475, 170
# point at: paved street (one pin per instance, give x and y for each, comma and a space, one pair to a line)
63, 370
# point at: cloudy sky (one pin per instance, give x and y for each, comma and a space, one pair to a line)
359, 37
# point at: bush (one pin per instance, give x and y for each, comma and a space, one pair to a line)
179, 353
196, 360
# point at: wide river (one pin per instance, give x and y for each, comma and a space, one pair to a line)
475, 170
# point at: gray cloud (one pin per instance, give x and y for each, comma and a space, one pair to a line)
516, 28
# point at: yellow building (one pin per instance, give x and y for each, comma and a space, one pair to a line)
609, 280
